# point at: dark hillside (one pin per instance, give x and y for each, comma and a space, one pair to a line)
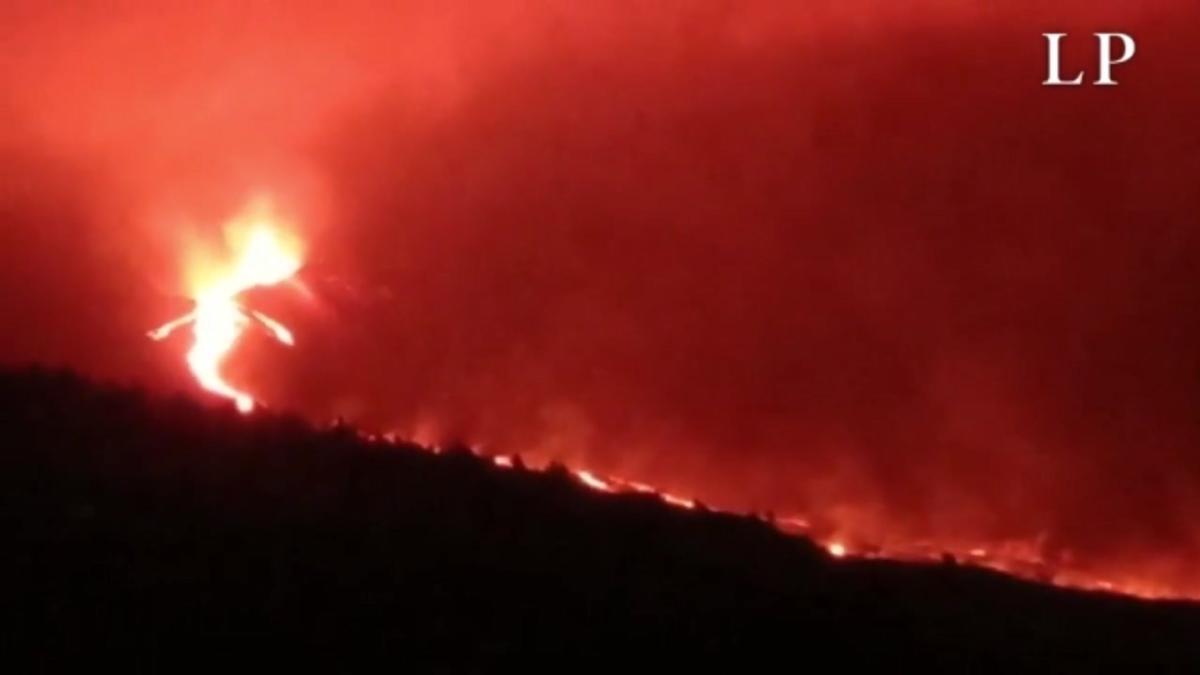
152, 525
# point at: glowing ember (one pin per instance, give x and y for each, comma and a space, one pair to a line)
262, 255
591, 480
794, 522
837, 550
675, 500
642, 487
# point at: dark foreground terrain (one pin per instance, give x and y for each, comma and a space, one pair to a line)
164, 531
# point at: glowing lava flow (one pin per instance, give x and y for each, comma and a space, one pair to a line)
263, 256
1019, 559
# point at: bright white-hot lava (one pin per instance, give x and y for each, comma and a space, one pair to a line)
260, 253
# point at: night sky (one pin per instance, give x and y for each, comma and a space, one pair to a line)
840, 257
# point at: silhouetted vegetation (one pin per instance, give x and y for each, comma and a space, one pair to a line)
161, 526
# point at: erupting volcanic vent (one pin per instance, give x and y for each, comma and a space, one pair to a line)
843, 262
262, 255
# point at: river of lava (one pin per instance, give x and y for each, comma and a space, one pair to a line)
1022, 559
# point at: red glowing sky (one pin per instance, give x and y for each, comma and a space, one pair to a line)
845, 257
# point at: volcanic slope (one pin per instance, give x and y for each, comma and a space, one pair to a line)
156, 525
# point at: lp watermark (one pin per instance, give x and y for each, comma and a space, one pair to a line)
1107, 57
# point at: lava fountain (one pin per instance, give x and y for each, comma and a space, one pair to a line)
259, 252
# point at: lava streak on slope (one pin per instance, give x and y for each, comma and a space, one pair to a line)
1026, 560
